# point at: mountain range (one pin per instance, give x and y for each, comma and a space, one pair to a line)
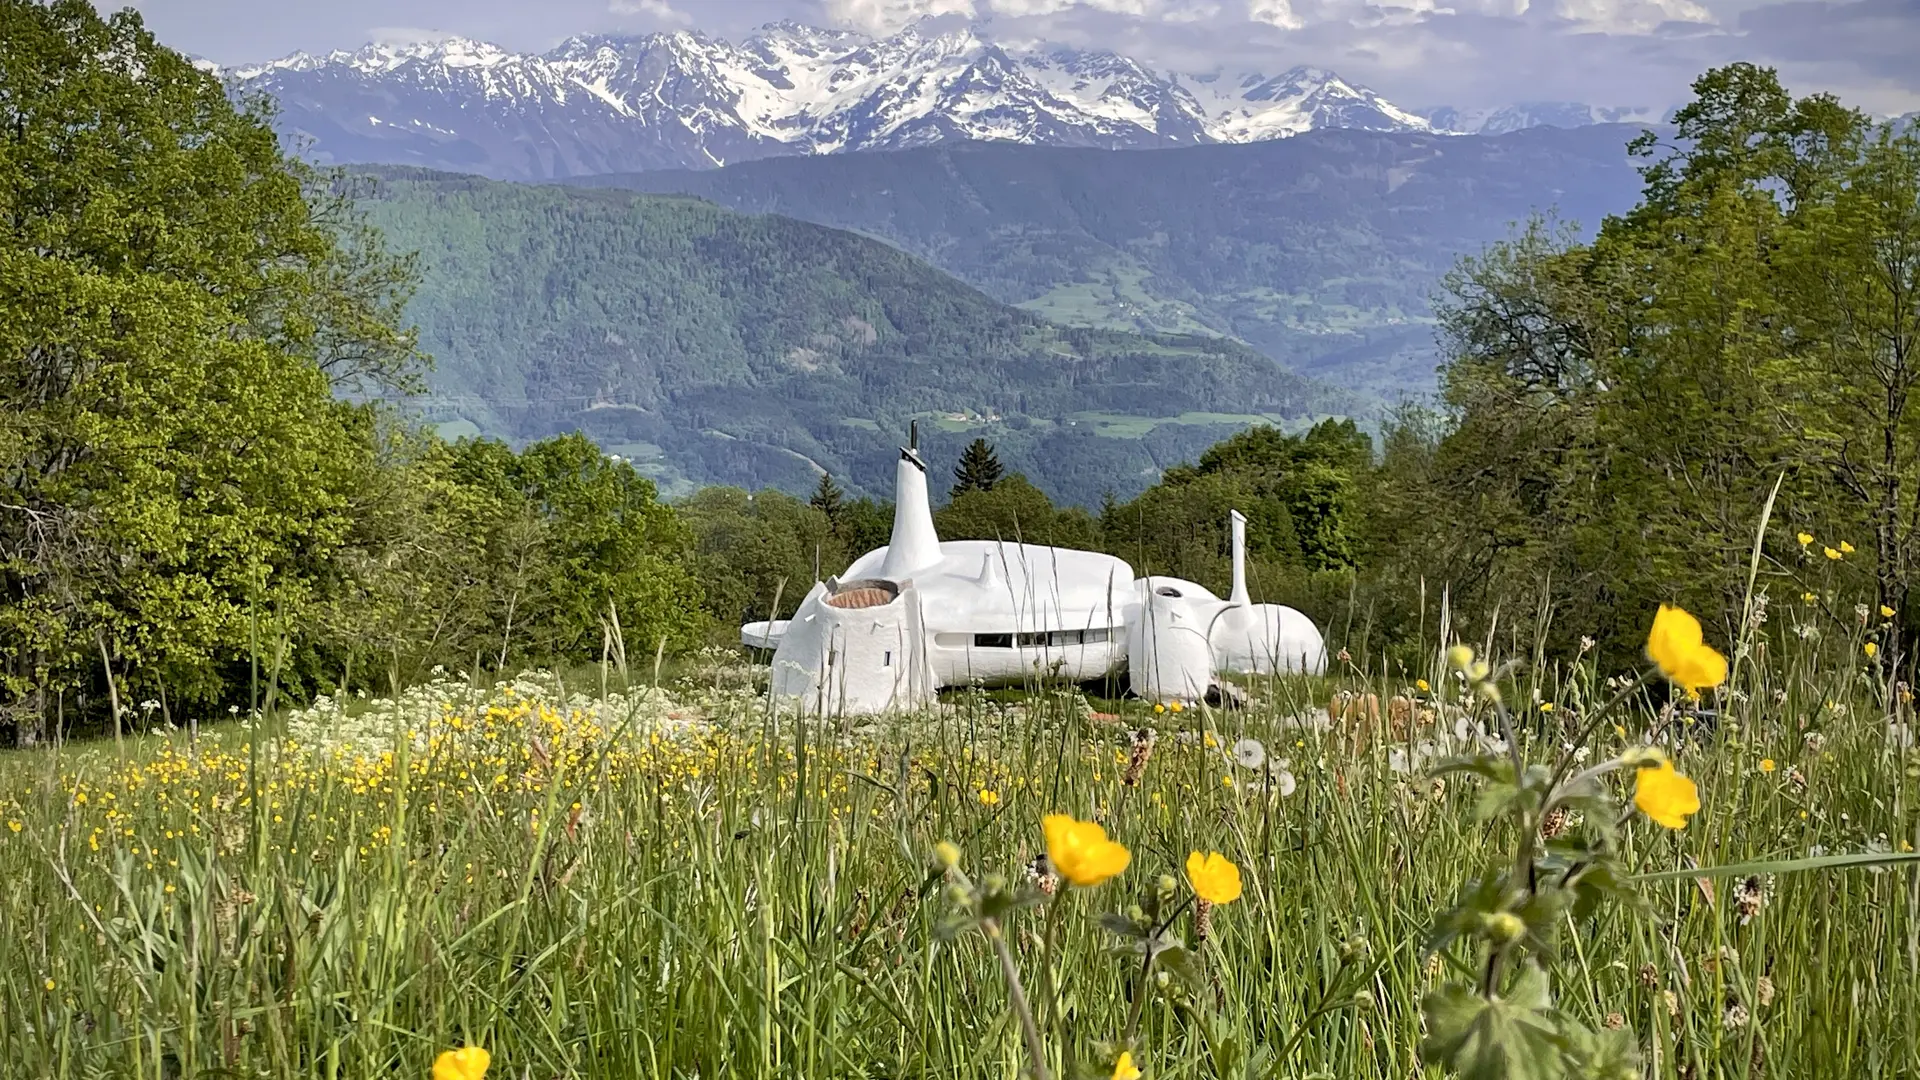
686, 100
1322, 250
712, 346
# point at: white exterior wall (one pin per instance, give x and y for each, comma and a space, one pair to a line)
835, 661
957, 661
1169, 655
1267, 639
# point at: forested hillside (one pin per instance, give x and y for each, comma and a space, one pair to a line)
1321, 250
718, 347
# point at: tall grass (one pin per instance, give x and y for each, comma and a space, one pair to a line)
655, 885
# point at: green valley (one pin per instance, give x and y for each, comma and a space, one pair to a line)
718, 347
1321, 250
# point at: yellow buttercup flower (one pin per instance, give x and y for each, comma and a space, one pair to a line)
1665, 795
1830, 553
989, 797
1421, 685
1767, 765
1081, 852
1846, 548
1675, 643
1886, 612
1808, 597
1124, 1069
1870, 649
1805, 539
467, 1063
1214, 877
1546, 706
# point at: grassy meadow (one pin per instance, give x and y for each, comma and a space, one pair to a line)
677, 881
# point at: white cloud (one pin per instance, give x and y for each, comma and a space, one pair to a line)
886, 16
1631, 16
1274, 13
658, 10
1605, 16
407, 35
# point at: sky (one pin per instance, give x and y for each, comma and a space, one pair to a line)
1419, 53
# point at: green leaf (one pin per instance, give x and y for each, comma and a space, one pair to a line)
1509, 1038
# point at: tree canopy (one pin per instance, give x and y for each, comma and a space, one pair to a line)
1617, 415
193, 477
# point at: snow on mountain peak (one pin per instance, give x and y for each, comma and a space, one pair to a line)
451, 52
601, 103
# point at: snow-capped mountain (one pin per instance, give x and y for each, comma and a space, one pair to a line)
1526, 114
686, 100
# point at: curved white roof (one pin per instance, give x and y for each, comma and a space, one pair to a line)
990, 587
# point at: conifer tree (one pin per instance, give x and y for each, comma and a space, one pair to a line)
827, 497
979, 469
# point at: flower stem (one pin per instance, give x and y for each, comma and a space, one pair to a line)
1017, 996
1146, 972
1049, 988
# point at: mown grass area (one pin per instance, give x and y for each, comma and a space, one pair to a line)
1116, 297
680, 881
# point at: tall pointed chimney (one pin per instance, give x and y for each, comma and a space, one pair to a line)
1239, 559
914, 545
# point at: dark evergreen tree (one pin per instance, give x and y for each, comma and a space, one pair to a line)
979, 469
827, 497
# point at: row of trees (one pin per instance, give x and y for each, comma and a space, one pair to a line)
758, 553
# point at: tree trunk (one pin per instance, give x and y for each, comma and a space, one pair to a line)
30, 716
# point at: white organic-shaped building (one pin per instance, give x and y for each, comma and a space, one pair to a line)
919, 614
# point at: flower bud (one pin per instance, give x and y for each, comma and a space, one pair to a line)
1502, 928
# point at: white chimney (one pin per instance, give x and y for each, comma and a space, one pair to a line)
914, 545
1239, 559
